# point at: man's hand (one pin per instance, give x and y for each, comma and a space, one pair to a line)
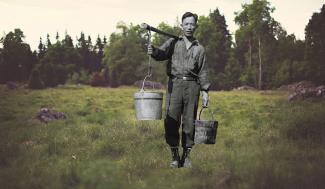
150, 49
205, 99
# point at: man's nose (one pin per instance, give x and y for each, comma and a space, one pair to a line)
190, 27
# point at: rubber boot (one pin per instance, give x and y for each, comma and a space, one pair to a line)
186, 162
175, 157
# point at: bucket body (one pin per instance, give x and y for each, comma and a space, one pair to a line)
205, 132
148, 105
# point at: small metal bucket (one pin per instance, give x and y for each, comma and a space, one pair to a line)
205, 131
148, 105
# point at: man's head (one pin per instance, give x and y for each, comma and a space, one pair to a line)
189, 23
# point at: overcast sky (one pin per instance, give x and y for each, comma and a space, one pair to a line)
36, 18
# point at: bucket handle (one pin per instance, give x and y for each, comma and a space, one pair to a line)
201, 112
149, 73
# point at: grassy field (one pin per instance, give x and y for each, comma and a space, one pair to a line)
263, 141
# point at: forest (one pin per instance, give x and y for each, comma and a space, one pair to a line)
260, 54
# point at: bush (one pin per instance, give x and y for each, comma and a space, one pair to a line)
98, 79
52, 74
35, 81
81, 77
48, 74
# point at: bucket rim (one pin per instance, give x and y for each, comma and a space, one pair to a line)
150, 92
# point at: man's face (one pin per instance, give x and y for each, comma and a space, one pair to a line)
188, 26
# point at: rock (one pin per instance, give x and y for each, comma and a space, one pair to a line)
149, 84
46, 115
320, 91
304, 85
297, 86
12, 85
304, 90
244, 88
307, 93
295, 96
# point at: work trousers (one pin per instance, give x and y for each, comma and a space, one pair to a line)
181, 109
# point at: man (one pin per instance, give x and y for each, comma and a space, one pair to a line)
188, 75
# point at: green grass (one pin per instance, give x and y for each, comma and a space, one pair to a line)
263, 141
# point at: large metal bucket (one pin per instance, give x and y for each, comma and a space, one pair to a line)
205, 131
148, 105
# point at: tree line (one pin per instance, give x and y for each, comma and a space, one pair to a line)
260, 53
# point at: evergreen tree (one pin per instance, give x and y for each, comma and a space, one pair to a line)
41, 49
105, 41
213, 34
83, 49
99, 53
60, 60
289, 62
315, 46
89, 44
48, 41
67, 42
223, 40
2, 65
57, 37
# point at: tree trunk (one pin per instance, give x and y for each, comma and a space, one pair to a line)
250, 51
260, 64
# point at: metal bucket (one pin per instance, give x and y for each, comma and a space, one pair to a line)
148, 105
205, 131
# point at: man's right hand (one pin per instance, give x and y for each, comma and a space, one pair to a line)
150, 49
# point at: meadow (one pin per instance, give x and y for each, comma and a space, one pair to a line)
263, 141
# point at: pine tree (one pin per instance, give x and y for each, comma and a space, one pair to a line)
41, 49
68, 41
315, 46
83, 51
105, 41
89, 44
223, 38
213, 34
48, 41
57, 37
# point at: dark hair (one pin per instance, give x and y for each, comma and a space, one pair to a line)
189, 14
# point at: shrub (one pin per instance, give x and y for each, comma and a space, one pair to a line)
81, 77
48, 75
98, 79
54, 74
35, 81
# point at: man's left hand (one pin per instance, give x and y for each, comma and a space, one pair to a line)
205, 99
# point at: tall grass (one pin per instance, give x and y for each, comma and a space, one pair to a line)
263, 141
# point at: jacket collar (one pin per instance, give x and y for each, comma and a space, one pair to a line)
194, 42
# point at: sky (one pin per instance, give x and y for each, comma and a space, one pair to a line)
36, 18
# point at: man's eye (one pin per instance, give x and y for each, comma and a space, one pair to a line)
189, 24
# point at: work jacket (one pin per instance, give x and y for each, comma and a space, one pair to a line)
184, 61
